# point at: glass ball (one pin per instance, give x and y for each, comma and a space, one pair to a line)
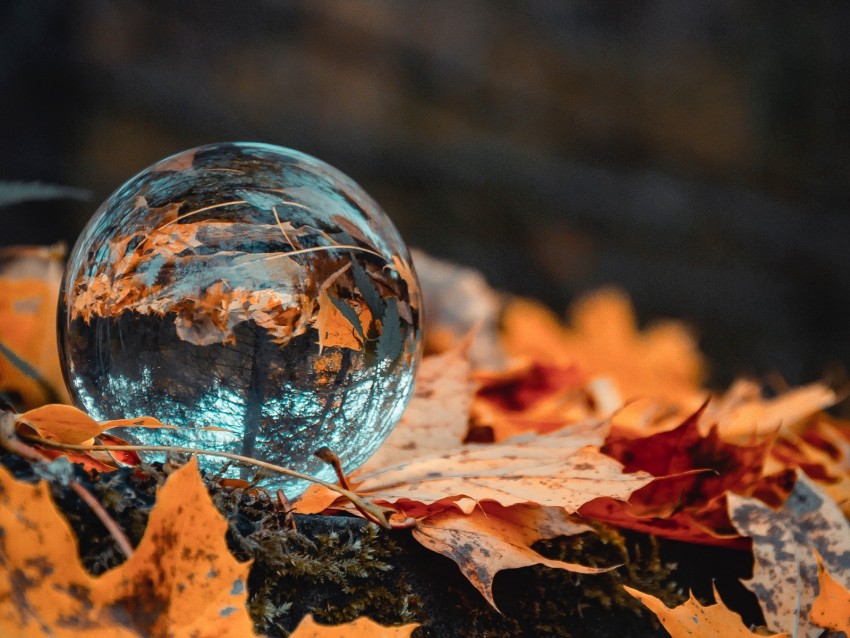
251, 295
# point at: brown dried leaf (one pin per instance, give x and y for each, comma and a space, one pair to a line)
561, 469
691, 619
786, 572
492, 538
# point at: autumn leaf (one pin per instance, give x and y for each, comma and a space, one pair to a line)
532, 397
180, 582
730, 467
822, 451
662, 362
361, 628
44, 589
692, 619
436, 419
29, 290
67, 424
459, 302
785, 576
341, 324
743, 413
62, 423
182, 575
484, 506
561, 469
492, 538
831, 608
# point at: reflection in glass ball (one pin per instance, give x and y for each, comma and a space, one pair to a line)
252, 295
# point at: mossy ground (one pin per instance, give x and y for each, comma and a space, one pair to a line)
339, 568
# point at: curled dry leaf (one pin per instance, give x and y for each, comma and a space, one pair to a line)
831, 608
492, 538
361, 628
67, 424
785, 577
691, 619
180, 582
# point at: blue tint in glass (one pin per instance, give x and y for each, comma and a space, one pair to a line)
252, 295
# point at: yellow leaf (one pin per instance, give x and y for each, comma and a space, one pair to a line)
182, 579
661, 362
831, 608
44, 589
360, 628
180, 582
29, 290
62, 423
691, 619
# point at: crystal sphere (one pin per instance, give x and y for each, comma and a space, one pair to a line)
251, 295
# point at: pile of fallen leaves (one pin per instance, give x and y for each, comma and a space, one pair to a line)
521, 430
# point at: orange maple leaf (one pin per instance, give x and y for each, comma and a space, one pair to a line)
662, 362
693, 619
29, 290
361, 628
831, 608
180, 582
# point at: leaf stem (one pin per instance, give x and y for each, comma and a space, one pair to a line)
379, 513
108, 522
9, 440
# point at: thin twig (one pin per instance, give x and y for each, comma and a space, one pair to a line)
378, 514
108, 522
9, 440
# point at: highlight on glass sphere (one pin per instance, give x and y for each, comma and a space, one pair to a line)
251, 295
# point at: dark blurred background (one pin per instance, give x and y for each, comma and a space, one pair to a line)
695, 153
